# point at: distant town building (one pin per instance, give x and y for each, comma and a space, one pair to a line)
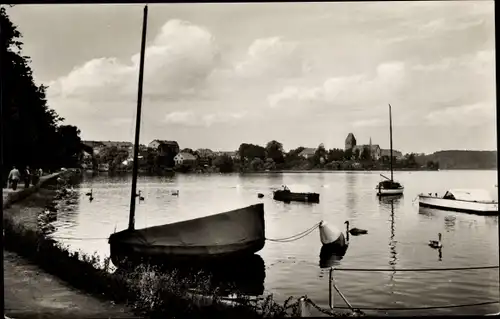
167, 150
307, 152
184, 159
387, 154
375, 150
350, 142
234, 155
98, 146
205, 153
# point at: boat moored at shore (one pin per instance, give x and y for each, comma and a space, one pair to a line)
236, 232
475, 201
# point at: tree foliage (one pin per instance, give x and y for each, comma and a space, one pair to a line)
31, 132
224, 163
274, 151
365, 154
251, 151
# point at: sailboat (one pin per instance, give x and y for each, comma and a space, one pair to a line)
389, 186
229, 234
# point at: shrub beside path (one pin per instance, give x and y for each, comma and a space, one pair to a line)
29, 292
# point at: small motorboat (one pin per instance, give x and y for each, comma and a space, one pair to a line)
476, 201
285, 195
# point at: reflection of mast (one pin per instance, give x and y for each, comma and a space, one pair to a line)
392, 244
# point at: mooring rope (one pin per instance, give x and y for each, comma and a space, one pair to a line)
283, 240
295, 237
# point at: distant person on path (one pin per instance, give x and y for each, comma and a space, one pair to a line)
27, 177
14, 177
36, 177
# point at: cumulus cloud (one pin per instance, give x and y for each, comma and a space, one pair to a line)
179, 59
189, 118
463, 115
273, 57
347, 91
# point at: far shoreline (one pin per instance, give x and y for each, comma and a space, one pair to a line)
285, 171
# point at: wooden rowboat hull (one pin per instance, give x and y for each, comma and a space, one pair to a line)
234, 233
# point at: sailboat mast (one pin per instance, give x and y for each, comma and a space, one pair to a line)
390, 132
131, 220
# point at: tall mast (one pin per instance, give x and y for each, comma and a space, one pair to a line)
131, 219
390, 132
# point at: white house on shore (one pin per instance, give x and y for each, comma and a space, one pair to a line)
184, 159
307, 152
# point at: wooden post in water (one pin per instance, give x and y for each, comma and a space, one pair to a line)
390, 132
131, 220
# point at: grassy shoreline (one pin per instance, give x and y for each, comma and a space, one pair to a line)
146, 290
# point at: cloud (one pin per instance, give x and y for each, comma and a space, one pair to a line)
273, 57
370, 123
178, 61
348, 91
189, 118
463, 115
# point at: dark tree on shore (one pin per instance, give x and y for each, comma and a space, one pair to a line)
224, 163
335, 155
274, 150
348, 154
31, 133
320, 155
365, 154
251, 151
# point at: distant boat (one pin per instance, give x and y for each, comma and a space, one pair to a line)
389, 186
476, 201
233, 233
285, 195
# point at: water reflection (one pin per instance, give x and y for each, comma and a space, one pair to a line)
351, 194
331, 256
393, 256
244, 275
449, 223
389, 200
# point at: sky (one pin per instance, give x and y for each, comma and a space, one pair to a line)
218, 75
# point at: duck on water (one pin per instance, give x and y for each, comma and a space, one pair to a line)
436, 243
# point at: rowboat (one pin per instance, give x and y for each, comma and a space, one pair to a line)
288, 196
234, 233
476, 201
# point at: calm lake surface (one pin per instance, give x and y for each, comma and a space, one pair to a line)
398, 233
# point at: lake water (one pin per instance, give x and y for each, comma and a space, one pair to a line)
398, 233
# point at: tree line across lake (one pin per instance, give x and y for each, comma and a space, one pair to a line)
272, 157
255, 158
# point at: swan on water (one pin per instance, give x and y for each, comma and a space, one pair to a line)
436, 243
355, 231
89, 193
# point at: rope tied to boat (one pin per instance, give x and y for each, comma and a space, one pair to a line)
295, 237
